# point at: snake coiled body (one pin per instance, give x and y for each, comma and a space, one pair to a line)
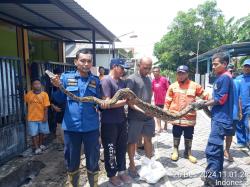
128, 94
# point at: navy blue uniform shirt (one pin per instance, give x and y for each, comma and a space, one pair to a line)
244, 89
223, 94
78, 116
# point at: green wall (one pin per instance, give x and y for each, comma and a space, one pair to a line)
8, 42
43, 50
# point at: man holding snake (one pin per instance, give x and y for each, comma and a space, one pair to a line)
81, 120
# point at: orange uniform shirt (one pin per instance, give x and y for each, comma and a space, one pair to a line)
36, 105
180, 96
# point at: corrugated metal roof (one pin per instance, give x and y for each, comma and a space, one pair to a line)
236, 49
61, 19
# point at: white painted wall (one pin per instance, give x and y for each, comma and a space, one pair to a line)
103, 60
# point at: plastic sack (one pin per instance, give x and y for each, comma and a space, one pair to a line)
151, 171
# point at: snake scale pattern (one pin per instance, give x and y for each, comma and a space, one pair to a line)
128, 94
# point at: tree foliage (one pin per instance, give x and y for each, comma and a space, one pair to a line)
205, 24
243, 29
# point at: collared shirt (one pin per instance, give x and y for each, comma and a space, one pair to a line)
78, 116
159, 88
223, 94
244, 91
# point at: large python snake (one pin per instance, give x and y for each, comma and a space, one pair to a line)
128, 94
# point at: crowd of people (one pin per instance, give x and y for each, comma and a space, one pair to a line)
121, 131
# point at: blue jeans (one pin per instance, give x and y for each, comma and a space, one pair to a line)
72, 151
37, 127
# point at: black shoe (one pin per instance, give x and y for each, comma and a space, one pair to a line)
208, 181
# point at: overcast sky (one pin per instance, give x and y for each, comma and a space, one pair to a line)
149, 19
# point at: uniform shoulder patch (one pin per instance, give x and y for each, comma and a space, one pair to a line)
96, 78
71, 81
92, 83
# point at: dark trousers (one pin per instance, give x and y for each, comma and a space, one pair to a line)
214, 150
52, 121
114, 141
242, 130
72, 150
215, 159
178, 130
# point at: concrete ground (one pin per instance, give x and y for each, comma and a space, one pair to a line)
27, 169
184, 173
48, 169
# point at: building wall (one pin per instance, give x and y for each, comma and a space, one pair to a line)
17, 50
43, 49
103, 60
8, 41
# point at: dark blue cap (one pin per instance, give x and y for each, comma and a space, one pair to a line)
182, 68
246, 62
118, 62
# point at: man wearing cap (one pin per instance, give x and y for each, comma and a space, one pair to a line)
242, 129
114, 126
179, 95
140, 124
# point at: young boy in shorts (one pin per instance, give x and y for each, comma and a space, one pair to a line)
38, 103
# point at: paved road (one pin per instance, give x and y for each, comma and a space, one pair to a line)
184, 173
180, 173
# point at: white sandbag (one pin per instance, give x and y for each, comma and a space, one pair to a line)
151, 171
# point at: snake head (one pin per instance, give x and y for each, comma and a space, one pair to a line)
50, 74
